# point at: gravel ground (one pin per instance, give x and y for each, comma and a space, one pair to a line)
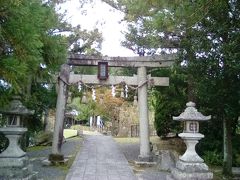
69, 149
72, 146
131, 152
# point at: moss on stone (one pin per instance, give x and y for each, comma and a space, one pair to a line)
56, 157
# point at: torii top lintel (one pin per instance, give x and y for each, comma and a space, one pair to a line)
138, 61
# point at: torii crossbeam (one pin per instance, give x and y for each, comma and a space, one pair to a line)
141, 63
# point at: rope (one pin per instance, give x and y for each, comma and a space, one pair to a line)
99, 86
60, 78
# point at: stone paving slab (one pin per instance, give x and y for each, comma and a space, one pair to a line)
100, 159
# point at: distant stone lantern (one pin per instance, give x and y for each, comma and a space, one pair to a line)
13, 159
190, 165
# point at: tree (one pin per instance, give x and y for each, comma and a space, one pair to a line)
29, 49
206, 34
168, 101
30, 53
32, 50
219, 69
105, 104
210, 56
85, 42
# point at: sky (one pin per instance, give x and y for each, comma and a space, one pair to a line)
105, 18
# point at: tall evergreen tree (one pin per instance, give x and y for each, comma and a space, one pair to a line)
29, 49
206, 33
218, 68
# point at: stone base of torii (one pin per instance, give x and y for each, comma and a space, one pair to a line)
141, 81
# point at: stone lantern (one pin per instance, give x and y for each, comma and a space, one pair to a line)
13, 160
190, 165
15, 112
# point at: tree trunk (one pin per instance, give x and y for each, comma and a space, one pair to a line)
227, 148
45, 119
29, 86
190, 76
191, 94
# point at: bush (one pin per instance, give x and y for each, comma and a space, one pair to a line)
164, 123
236, 150
169, 101
213, 158
4, 142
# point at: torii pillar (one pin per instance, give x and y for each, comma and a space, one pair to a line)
63, 79
143, 115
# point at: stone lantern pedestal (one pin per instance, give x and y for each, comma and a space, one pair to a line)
14, 163
13, 150
190, 165
191, 140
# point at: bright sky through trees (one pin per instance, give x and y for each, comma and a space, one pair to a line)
105, 18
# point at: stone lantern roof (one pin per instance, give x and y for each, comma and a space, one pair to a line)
191, 114
16, 108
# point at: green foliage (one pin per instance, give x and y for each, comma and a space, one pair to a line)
85, 110
36, 148
213, 158
85, 42
30, 51
236, 151
43, 97
217, 77
206, 35
168, 102
3, 142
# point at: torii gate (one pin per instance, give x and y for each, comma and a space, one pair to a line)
141, 63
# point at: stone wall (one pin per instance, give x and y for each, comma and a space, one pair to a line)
50, 120
128, 115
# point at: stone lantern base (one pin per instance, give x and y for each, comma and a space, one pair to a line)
190, 171
6, 162
190, 166
16, 168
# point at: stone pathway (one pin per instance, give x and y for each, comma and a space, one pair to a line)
100, 159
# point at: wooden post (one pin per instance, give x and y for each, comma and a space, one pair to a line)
56, 155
